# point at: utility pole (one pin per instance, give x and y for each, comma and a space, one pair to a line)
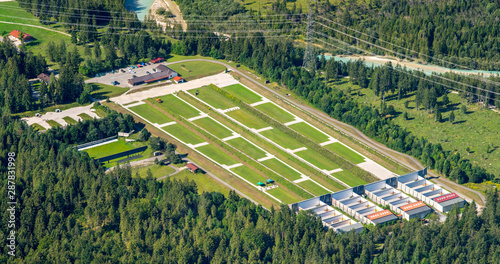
309, 61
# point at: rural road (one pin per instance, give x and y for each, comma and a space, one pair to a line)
28, 25
413, 163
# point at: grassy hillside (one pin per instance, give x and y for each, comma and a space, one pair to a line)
473, 130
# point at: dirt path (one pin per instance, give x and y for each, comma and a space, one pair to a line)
13, 23
174, 8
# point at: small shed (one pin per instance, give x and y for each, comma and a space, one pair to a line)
43, 77
270, 181
261, 184
193, 168
178, 79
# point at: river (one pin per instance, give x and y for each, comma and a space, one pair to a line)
427, 69
140, 7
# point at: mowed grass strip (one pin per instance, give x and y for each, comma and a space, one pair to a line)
204, 183
317, 159
175, 105
85, 116
247, 148
183, 134
348, 178
281, 169
151, 114
309, 132
285, 196
156, 170
275, 112
53, 123
38, 127
249, 174
103, 91
216, 154
213, 127
282, 139
212, 97
345, 152
69, 120
247, 119
109, 149
242, 93
313, 187
190, 70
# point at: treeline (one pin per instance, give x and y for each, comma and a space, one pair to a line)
16, 68
69, 210
461, 32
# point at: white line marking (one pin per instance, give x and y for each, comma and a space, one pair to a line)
330, 141
168, 124
262, 129
135, 104
297, 120
268, 157
232, 166
299, 149
199, 145
235, 135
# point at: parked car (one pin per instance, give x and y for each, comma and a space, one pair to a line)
58, 110
148, 72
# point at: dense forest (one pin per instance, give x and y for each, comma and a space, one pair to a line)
69, 210
463, 32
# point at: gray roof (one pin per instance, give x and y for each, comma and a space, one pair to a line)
348, 228
419, 210
164, 68
384, 219
451, 202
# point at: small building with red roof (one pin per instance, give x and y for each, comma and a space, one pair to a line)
193, 168
178, 79
157, 60
16, 35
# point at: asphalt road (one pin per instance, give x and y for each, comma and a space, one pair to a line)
413, 163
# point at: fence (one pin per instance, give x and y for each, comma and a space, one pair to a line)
89, 144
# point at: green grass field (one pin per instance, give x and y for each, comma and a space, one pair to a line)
110, 148
204, 182
217, 155
38, 127
184, 134
213, 127
316, 159
69, 120
103, 91
282, 139
242, 93
151, 114
313, 187
281, 169
284, 196
175, 105
275, 112
345, 152
53, 123
309, 132
246, 148
249, 175
156, 170
212, 97
191, 70
85, 116
247, 119
348, 178
474, 130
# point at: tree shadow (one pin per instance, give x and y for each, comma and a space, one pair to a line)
459, 122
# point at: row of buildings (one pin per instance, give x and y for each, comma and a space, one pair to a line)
408, 196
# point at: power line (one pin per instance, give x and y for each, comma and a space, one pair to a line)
431, 57
130, 12
425, 79
441, 77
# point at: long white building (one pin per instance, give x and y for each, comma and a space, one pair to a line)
330, 217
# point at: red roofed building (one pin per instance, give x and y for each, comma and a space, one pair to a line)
193, 168
15, 35
178, 79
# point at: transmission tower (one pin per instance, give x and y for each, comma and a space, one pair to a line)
309, 61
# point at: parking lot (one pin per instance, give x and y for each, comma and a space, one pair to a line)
122, 77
